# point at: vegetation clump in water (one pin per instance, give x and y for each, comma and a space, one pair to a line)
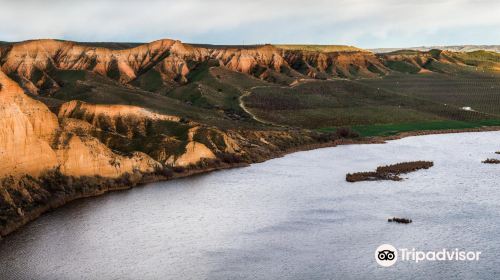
400, 220
492, 161
389, 172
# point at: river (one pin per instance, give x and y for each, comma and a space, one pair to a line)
288, 218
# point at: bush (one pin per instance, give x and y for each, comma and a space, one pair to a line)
346, 132
166, 172
178, 169
325, 136
229, 157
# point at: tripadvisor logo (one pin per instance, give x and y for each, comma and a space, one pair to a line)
386, 255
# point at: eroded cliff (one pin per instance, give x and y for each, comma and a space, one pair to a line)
87, 149
34, 64
113, 118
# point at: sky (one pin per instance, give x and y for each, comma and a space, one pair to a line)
362, 23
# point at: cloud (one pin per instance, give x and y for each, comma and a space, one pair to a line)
374, 23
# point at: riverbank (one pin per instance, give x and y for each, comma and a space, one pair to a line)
106, 185
280, 218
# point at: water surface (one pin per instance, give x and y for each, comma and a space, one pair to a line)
290, 218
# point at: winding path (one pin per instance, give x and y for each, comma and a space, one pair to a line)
246, 93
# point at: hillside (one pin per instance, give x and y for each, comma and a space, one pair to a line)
459, 48
81, 119
165, 64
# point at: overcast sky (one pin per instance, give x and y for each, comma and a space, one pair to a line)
367, 24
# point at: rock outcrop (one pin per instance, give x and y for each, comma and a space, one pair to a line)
27, 128
79, 149
33, 64
32, 141
89, 149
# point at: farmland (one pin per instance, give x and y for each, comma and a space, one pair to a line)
325, 105
480, 91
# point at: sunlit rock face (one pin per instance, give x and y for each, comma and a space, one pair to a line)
33, 63
32, 141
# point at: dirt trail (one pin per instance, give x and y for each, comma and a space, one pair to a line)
242, 105
246, 93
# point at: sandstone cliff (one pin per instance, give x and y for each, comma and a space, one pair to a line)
138, 134
27, 129
33, 63
89, 149
32, 141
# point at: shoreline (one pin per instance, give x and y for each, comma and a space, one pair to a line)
61, 201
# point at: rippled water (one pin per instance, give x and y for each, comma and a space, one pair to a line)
289, 218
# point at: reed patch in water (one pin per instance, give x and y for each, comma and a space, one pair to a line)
389, 172
492, 161
399, 220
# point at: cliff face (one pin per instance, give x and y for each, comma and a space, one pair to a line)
33, 63
247, 60
32, 141
441, 61
27, 128
89, 149
81, 149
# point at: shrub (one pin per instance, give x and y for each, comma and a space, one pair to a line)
229, 157
325, 136
166, 172
178, 169
346, 132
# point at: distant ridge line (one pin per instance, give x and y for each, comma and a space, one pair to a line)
456, 48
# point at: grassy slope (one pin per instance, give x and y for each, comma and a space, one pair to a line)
111, 45
318, 105
398, 102
211, 96
393, 129
319, 48
479, 91
216, 88
98, 90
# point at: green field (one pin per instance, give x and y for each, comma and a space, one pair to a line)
320, 104
480, 91
393, 129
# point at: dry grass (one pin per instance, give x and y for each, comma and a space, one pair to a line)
319, 48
